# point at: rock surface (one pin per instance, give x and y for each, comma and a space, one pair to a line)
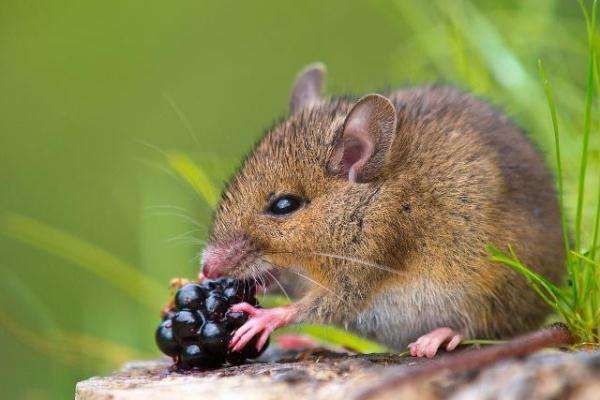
331, 376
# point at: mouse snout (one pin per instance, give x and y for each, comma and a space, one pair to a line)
220, 259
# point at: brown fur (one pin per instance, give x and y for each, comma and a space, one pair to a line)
459, 176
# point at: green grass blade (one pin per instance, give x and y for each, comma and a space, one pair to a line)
588, 260
482, 342
586, 125
596, 233
120, 274
336, 336
28, 301
40, 342
194, 176
596, 225
106, 351
544, 288
590, 284
273, 300
324, 333
71, 348
559, 172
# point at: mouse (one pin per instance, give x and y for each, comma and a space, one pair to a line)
385, 204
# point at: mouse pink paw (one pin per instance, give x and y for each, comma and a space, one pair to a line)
262, 322
428, 344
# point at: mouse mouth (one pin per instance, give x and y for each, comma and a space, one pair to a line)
242, 258
249, 265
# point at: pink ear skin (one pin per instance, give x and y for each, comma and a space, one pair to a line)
367, 136
307, 87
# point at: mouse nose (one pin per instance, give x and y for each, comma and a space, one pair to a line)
218, 258
212, 262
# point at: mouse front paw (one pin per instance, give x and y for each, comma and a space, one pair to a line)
262, 322
428, 344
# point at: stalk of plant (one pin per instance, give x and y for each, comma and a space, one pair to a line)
577, 303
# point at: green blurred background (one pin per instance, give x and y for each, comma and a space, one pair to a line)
95, 97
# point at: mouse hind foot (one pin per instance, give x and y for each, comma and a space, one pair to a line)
429, 344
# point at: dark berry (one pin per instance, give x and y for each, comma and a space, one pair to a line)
208, 286
248, 288
233, 295
234, 319
250, 285
249, 351
165, 340
193, 355
190, 297
233, 290
239, 291
235, 358
215, 305
215, 338
227, 281
186, 324
197, 330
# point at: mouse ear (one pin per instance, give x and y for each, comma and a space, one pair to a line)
367, 135
307, 88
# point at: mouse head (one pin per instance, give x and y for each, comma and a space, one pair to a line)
307, 195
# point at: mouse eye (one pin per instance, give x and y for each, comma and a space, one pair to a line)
283, 205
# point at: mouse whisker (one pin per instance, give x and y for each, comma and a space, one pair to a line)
261, 280
187, 241
185, 235
294, 271
168, 207
360, 262
278, 283
182, 216
340, 298
267, 271
253, 276
170, 210
196, 258
345, 258
257, 274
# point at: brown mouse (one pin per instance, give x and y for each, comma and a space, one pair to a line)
386, 204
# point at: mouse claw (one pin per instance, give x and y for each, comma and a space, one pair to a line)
429, 344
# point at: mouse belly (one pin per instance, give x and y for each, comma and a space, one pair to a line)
397, 317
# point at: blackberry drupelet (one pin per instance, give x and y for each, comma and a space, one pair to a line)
196, 331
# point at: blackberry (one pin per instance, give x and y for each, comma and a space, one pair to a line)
189, 297
186, 324
165, 340
197, 330
215, 338
227, 281
194, 356
232, 295
250, 350
216, 305
209, 285
236, 358
234, 320
248, 291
